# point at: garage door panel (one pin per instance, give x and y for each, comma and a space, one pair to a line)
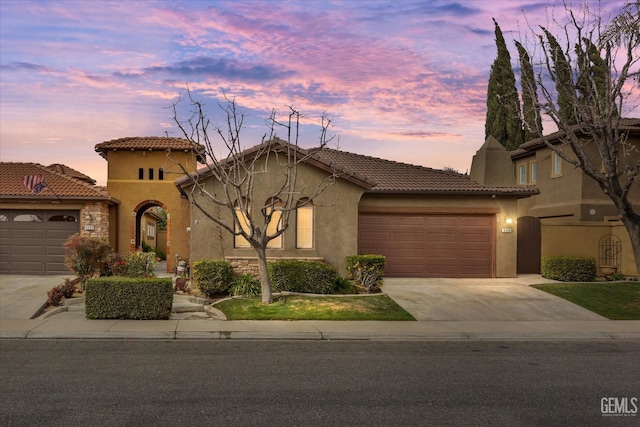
28, 250
431, 245
406, 236
21, 233
441, 221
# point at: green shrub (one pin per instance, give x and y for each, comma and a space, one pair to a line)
569, 269
246, 285
303, 276
157, 251
139, 264
128, 298
212, 277
345, 286
85, 256
366, 271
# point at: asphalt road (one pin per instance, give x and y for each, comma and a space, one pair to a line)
327, 383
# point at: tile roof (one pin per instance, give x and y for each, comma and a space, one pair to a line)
63, 184
396, 177
630, 124
66, 170
389, 177
153, 143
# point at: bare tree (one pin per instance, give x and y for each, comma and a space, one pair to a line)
238, 173
585, 86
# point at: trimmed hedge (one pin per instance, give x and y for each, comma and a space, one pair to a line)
212, 277
128, 298
303, 276
366, 271
569, 269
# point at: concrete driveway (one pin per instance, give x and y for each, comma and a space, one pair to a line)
482, 299
21, 296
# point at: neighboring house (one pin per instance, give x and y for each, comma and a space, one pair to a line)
571, 215
141, 174
35, 222
426, 222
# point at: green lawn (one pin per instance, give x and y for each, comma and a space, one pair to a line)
613, 300
299, 307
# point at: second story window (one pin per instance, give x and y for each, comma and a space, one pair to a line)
557, 165
150, 173
522, 174
140, 173
534, 172
161, 174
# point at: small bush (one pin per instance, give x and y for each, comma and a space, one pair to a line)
303, 276
114, 265
128, 298
55, 296
246, 286
85, 255
68, 287
345, 286
139, 264
212, 277
569, 269
366, 271
158, 252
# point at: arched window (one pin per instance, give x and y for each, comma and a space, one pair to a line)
273, 207
242, 208
27, 218
3, 218
67, 218
304, 224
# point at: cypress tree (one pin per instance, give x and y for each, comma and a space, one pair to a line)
530, 112
563, 79
503, 105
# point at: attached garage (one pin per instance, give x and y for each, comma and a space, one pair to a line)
31, 241
428, 245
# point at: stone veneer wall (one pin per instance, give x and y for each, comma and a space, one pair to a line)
249, 265
95, 215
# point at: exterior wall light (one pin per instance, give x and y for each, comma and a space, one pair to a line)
508, 220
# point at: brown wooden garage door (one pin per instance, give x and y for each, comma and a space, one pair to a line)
31, 241
430, 245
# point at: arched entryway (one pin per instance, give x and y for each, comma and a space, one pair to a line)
146, 229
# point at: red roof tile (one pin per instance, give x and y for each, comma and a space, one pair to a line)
66, 170
630, 124
154, 143
396, 177
60, 185
386, 176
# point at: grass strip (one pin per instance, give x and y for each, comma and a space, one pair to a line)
613, 300
300, 307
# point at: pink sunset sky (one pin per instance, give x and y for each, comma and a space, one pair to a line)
402, 80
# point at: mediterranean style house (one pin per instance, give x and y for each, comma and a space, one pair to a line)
426, 222
571, 215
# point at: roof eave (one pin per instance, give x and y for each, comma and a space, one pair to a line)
488, 192
5, 197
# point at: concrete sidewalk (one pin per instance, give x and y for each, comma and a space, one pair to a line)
445, 309
73, 325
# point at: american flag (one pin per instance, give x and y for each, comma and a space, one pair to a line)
34, 183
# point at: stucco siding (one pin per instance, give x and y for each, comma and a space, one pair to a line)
335, 220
